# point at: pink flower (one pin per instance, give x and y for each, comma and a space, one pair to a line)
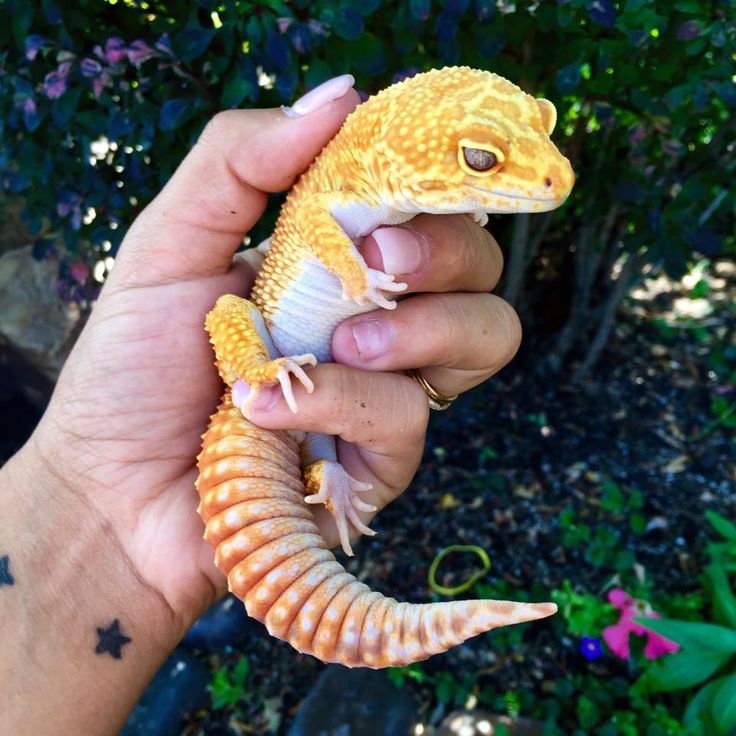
617, 636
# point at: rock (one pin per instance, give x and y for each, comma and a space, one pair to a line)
359, 702
33, 319
482, 723
224, 623
179, 688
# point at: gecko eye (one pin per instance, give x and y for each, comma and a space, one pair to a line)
478, 159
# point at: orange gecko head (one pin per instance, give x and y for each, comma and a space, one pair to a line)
465, 140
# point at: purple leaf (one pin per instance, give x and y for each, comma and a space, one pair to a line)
420, 8
34, 44
99, 83
689, 30
602, 12
139, 51
90, 68
54, 85
114, 50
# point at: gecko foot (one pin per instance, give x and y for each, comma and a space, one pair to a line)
378, 284
338, 492
278, 370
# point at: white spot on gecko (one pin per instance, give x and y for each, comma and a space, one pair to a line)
273, 576
232, 518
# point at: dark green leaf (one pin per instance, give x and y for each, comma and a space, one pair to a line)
724, 707
697, 715
51, 12
420, 8
174, 112
369, 55
318, 71
192, 42
568, 78
727, 92
349, 24
65, 107
683, 669
722, 525
724, 601
694, 636
243, 85
21, 14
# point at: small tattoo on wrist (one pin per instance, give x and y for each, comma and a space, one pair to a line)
111, 640
5, 576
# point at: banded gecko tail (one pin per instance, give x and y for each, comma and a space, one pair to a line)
276, 561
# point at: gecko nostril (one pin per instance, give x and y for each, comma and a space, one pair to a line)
547, 182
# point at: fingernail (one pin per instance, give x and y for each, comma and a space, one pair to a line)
265, 400
401, 250
332, 89
372, 338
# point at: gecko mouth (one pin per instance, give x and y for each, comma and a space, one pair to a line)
513, 197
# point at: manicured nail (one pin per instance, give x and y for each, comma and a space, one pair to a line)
266, 399
372, 338
332, 89
401, 249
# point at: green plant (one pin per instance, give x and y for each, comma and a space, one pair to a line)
228, 686
584, 614
399, 675
125, 88
708, 655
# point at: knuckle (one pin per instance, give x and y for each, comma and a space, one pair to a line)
508, 327
413, 411
478, 254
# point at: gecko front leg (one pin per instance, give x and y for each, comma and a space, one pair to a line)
243, 352
329, 243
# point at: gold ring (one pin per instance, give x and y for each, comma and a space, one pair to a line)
437, 401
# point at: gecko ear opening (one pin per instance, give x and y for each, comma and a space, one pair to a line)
549, 114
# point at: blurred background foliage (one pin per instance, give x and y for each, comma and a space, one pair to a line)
101, 100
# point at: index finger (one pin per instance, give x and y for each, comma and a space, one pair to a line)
193, 227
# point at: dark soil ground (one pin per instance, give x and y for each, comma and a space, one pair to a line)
499, 468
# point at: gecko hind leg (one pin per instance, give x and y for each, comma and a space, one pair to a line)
327, 482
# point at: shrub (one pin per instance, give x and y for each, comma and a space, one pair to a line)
100, 101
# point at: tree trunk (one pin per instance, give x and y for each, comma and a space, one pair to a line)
630, 267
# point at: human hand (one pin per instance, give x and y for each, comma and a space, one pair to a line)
123, 428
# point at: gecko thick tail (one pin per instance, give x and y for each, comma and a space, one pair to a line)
277, 562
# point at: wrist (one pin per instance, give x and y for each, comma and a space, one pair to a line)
76, 618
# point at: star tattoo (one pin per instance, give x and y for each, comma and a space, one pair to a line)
5, 577
111, 640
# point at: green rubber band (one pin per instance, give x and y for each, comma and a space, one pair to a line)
472, 580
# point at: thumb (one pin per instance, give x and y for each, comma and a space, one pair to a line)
193, 227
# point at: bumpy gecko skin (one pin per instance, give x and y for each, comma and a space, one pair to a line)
455, 140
